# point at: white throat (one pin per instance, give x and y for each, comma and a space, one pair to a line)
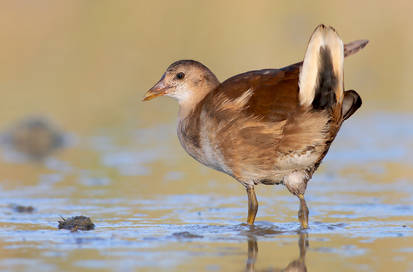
186, 99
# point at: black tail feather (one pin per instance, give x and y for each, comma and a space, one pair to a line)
325, 96
351, 103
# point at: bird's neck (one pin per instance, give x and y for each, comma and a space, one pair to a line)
196, 95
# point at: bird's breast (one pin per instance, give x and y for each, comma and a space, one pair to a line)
197, 137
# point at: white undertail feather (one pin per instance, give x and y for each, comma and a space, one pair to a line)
323, 37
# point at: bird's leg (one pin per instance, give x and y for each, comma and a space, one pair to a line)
296, 183
303, 212
252, 205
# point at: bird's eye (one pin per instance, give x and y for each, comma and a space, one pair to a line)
180, 75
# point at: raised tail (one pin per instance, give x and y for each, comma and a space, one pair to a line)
321, 76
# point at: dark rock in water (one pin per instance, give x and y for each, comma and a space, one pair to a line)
76, 223
21, 209
186, 235
34, 137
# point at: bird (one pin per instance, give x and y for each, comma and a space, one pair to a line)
269, 126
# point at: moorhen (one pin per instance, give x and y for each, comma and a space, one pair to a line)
271, 126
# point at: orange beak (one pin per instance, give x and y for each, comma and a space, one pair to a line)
158, 90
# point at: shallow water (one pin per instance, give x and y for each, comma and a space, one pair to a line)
154, 208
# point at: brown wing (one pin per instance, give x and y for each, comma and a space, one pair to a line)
274, 94
269, 95
254, 119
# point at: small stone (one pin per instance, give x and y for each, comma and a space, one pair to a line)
21, 209
76, 223
185, 235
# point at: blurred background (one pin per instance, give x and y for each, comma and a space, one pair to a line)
76, 71
88, 63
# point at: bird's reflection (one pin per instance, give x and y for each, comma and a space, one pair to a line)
252, 253
297, 264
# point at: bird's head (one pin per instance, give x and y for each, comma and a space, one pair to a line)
188, 81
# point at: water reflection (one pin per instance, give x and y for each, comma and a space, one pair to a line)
297, 264
252, 254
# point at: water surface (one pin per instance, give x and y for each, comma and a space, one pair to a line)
154, 208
